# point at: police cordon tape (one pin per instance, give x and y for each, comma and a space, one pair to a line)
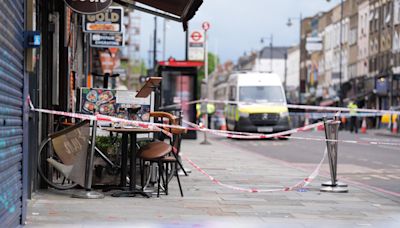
195, 127
302, 184
293, 106
234, 135
244, 135
319, 115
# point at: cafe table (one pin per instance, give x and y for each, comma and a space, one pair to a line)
132, 133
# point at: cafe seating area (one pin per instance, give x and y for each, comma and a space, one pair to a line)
148, 153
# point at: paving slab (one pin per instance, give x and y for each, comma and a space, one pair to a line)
209, 205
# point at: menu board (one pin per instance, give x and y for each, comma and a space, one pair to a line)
116, 103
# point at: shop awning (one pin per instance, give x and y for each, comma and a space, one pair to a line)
176, 10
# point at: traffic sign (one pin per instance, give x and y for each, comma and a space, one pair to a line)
196, 36
206, 26
196, 45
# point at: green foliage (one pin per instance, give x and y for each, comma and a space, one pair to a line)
213, 62
106, 143
131, 81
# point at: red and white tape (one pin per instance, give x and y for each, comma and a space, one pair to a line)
293, 106
302, 184
195, 127
243, 135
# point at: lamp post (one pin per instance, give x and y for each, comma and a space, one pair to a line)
271, 46
289, 24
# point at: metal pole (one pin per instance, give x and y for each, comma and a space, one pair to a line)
88, 193
155, 44
341, 54
391, 61
300, 49
164, 40
271, 54
206, 142
187, 44
286, 58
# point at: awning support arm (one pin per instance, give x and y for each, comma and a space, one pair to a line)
149, 11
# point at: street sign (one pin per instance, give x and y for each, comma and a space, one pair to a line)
196, 45
109, 21
106, 40
206, 26
314, 44
88, 6
196, 36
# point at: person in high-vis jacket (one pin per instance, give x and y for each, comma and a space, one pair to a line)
353, 117
202, 109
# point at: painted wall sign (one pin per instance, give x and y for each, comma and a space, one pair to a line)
108, 21
88, 6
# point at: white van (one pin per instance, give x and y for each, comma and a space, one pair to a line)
260, 103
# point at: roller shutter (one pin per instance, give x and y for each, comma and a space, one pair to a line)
11, 110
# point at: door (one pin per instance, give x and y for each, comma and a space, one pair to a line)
11, 111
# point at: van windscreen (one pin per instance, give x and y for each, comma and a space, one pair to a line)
271, 94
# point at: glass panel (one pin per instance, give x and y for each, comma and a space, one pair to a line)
261, 94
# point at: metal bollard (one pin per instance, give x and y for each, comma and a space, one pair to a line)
332, 133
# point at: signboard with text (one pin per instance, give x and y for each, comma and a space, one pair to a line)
88, 6
106, 40
196, 46
108, 21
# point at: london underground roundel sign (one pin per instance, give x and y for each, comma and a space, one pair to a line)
88, 6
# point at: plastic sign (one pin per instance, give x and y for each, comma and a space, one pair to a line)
33, 39
196, 45
206, 26
88, 6
106, 40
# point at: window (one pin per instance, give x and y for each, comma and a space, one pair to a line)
232, 93
272, 94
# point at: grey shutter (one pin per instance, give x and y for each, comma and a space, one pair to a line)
11, 106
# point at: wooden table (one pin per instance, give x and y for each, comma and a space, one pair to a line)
132, 132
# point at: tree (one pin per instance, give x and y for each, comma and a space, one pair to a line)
213, 62
134, 71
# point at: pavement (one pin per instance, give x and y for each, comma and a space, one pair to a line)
209, 205
385, 132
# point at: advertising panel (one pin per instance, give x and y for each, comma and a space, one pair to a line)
108, 21
112, 103
106, 40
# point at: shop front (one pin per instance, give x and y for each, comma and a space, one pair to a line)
44, 53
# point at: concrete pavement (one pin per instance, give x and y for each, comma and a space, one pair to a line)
208, 205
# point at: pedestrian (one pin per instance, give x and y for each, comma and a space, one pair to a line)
202, 110
210, 112
353, 117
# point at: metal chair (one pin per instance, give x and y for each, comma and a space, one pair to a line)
164, 154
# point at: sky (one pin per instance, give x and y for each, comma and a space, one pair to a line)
236, 26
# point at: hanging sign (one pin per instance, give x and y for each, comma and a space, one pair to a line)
108, 21
107, 40
88, 6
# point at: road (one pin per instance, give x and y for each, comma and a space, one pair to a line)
373, 167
